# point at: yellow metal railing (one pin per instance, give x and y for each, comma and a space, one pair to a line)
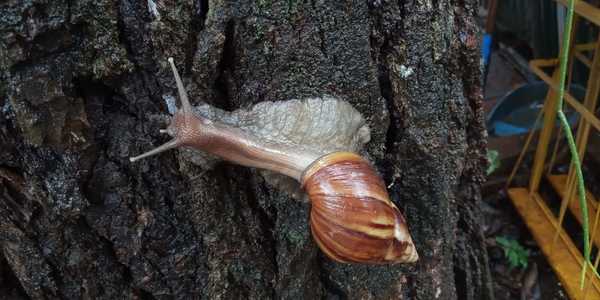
547, 227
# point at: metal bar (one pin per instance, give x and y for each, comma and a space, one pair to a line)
566, 260
545, 135
586, 10
579, 53
513, 172
594, 121
586, 61
490, 22
558, 183
582, 134
590, 101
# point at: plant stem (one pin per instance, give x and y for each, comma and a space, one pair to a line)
571, 141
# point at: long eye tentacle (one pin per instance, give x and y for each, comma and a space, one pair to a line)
186, 107
186, 110
174, 143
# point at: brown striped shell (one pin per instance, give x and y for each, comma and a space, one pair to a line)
352, 218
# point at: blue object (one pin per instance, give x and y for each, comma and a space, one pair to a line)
486, 48
516, 112
503, 128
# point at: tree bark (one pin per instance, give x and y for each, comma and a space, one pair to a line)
84, 86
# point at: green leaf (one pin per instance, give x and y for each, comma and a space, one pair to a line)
493, 161
516, 254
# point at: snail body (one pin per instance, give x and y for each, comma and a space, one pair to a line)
352, 218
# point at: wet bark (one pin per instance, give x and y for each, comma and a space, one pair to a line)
83, 87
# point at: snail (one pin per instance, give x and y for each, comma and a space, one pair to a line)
352, 219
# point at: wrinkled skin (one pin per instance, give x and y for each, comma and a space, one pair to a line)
321, 125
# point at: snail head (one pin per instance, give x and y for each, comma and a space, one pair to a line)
184, 126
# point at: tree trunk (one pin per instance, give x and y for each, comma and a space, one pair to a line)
83, 88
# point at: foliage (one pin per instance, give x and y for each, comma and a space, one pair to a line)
493, 161
516, 254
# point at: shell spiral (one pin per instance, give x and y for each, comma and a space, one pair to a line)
352, 218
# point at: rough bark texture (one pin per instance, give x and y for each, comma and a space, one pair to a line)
83, 87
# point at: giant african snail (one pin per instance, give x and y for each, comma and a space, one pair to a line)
352, 218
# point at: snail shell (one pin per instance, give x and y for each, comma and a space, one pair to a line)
352, 218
